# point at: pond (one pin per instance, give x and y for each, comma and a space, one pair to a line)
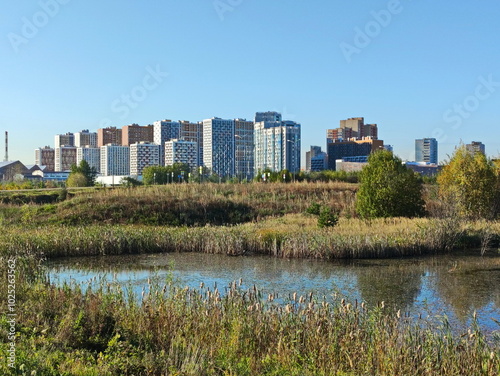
453, 285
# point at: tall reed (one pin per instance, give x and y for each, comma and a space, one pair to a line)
230, 330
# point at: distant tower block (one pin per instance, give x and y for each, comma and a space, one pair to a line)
6, 146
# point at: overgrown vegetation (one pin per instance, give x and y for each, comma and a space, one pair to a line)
109, 331
227, 330
291, 236
184, 204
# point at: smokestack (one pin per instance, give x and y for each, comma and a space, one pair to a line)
6, 146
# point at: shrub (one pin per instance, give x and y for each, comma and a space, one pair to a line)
314, 209
388, 188
327, 217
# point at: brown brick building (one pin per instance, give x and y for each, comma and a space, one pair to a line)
111, 135
135, 133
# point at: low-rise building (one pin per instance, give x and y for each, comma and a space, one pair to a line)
12, 170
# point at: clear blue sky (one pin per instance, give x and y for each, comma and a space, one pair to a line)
69, 67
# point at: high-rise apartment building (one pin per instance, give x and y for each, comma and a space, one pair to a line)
110, 135
67, 139
193, 132
135, 133
115, 160
426, 150
163, 131
351, 148
319, 162
64, 158
338, 134
181, 151
352, 128
85, 138
244, 148
316, 160
143, 154
277, 145
218, 146
267, 116
90, 154
45, 157
476, 147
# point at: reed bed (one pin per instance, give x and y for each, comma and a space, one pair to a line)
228, 330
291, 236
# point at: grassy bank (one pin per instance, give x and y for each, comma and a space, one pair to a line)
233, 219
290, 236
64, 330
177, 205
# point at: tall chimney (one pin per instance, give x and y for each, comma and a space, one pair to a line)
6, 146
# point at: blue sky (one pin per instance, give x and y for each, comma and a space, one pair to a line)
416, 68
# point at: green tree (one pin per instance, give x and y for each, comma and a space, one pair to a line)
89, 173
155, 175
176, 173
129, 182
76, 179
388, 188
468, 184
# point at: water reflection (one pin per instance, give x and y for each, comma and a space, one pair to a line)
469, 285
452, 285
398, 285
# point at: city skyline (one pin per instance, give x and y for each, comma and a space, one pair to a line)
321, 62
352, 130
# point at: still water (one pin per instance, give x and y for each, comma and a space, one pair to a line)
451, 285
